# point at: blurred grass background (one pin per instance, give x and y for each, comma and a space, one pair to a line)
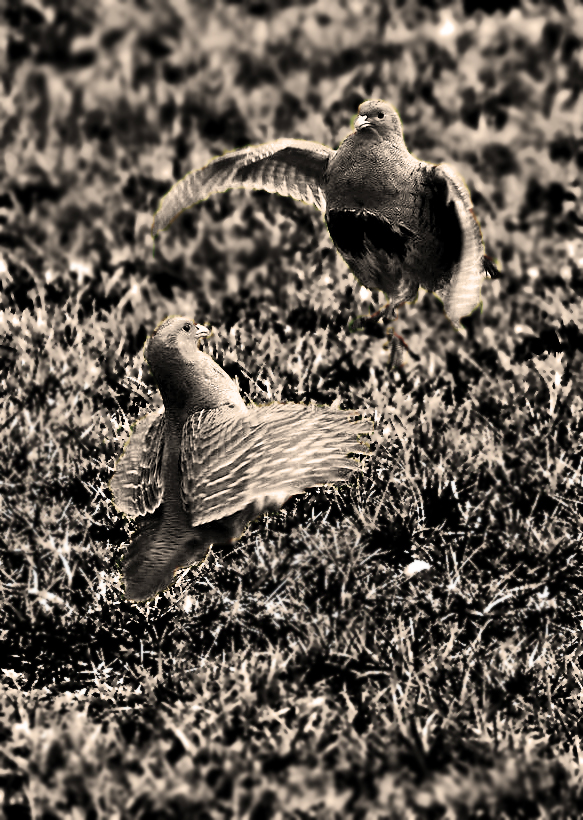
309, 673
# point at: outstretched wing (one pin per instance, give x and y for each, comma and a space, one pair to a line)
462, 293
233, 462
288, 167
137, 485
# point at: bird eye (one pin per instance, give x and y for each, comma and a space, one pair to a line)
380, 116
187, 327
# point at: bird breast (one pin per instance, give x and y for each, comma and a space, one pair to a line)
365, 175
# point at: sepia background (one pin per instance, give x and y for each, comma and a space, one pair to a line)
407, 645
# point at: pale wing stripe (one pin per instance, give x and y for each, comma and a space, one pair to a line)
302, 479
232, 484
227, 475
203, 451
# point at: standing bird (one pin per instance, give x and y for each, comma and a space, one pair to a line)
201, 470
397, 221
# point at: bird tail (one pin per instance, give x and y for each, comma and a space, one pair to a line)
490, 268
161, 547
154, 555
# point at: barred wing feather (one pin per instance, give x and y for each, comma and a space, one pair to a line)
137, 485
289, 167
231, 462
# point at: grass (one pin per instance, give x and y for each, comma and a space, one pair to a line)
407, 645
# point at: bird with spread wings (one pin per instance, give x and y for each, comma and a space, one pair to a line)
398, 222
199, 472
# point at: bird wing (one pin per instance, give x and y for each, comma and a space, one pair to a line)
288, 167
137, 485
462, 293
255, 461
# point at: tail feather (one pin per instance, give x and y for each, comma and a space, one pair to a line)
155, 553
161, 547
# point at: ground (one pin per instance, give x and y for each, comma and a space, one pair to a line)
406, 645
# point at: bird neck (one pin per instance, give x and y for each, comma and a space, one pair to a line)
367, 136
366, 172
369, 149
177, 395
191, 385
391, 142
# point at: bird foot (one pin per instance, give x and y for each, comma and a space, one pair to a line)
366, 322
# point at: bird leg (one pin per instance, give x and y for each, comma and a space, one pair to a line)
397, 346
398, 343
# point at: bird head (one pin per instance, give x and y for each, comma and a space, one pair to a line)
175, 339
379, 116
188, 379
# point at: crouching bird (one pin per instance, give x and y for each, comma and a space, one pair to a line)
198, 472
397, 221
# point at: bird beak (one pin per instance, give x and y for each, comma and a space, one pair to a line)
361, 122
201, 331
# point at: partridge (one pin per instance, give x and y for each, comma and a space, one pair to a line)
397, 221
197, 473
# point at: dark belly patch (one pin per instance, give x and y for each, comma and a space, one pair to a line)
354, 234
